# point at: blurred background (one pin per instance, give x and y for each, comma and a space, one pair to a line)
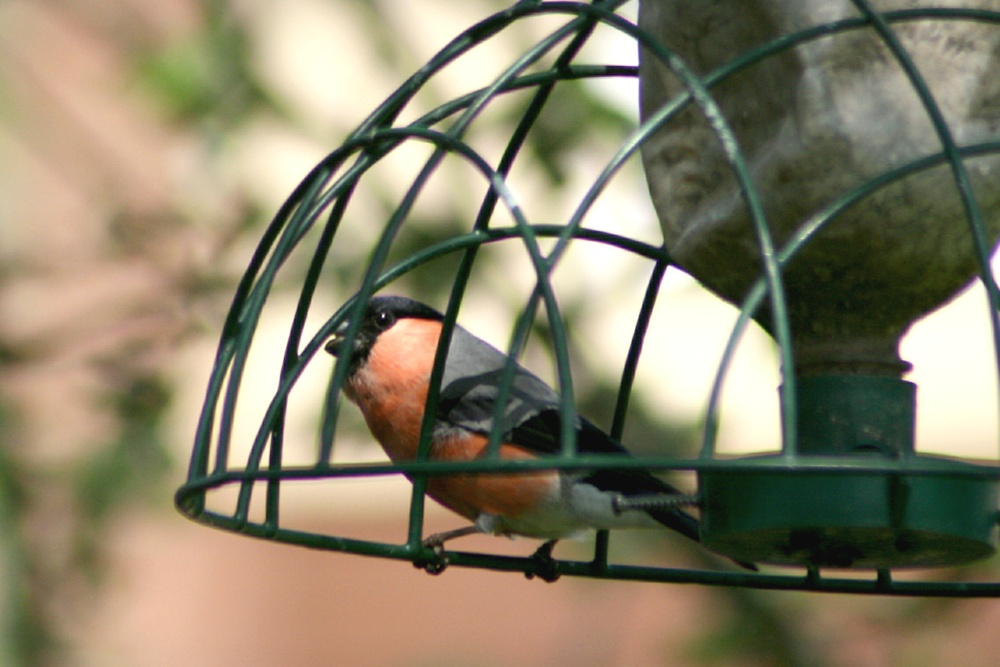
143, 147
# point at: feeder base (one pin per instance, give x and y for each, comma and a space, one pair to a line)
762, 510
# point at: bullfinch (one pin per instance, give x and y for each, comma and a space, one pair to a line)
389, 370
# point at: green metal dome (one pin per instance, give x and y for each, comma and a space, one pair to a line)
845, 489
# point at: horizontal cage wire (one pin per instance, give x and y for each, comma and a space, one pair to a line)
237, 482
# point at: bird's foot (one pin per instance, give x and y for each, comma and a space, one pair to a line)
439, 559
546, 567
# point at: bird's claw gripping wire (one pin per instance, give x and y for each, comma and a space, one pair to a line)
545, 567
437, 563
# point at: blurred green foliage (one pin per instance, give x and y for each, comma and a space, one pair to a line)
205, 77
124, 470
26, 634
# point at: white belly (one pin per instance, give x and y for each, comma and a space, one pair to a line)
569, 510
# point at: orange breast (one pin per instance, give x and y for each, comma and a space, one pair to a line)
391, 390
506, 495
391, 387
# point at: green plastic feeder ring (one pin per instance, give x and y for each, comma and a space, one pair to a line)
851, 492
846, 518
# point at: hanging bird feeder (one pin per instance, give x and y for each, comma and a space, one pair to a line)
855, 236
831, 171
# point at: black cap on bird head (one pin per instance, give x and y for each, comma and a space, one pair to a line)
379, 315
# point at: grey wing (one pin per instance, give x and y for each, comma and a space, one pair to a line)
471, 385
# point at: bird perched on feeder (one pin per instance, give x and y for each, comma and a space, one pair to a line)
388, 377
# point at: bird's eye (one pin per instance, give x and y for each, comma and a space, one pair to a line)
384, 319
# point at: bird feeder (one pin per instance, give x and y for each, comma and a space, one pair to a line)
830, 132
829, 168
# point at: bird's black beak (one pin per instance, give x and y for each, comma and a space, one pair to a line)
333, 345
336, 344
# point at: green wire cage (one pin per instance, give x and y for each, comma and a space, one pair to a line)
825, 214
